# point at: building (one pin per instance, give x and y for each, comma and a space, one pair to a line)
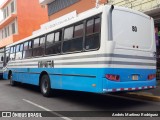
21, 18
58, 8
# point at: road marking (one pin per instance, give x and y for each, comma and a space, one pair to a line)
46, 109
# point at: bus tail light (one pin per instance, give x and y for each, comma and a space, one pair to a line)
113, 77
151, 76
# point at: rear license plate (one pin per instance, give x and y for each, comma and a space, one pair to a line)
134, 77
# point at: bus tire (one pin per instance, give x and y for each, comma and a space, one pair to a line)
12, 82
45, 86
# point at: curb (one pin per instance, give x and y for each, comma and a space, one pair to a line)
142, 96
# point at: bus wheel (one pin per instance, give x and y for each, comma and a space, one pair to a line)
12, 83
45, 86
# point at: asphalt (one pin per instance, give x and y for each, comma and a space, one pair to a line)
25, 97
156, 91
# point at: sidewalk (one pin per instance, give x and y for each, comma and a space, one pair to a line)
155, 92
151, 94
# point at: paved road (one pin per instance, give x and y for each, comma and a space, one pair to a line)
28, 98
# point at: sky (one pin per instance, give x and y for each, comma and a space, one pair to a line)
1, 15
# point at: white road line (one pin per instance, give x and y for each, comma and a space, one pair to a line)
46, 109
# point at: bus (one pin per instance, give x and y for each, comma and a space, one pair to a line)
2, 50
103, 50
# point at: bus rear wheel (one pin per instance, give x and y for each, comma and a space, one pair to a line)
45, 86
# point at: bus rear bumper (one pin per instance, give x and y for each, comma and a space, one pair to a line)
112, 86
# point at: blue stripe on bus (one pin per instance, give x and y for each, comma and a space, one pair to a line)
84, 79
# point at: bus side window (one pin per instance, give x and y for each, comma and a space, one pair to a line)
50, 39
73, 38
42, 41
90, 24
57, 43
49, 43
30, 46
12, 53
78, 31
38, 47
92, 39
57, 36
27, 50
42, 45
36, 43
19, 51
35, 47
97, 25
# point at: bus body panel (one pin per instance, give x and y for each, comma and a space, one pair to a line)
87, 70
80, 79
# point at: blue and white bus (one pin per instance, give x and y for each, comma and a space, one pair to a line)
105, 49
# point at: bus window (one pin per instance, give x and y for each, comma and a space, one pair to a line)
42, 41
26, 46
57, 36
97, 25
38, 49
36, 42
42, 45
68, 33
19, 51
11, 49
27, 52
90, 24
92, 40
55, 47
78, 31
21, 47
75, 43
30, 45
12, 53
17, 48
50, 39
